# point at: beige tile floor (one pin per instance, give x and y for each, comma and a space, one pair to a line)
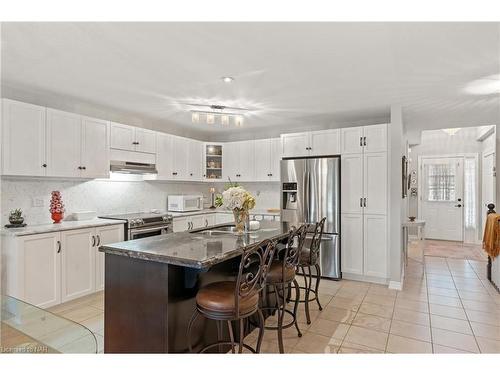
446, 306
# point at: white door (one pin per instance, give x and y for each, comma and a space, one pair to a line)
351, 141
442, 198
209, 220
375, 138
180, 158
262, 160
375, 245
181, 224
352, 243
64, 140
230, 161
164, 161
351, 183
105, 236
375, 183
195, 162
145, 140
488, 183
77, 263
41, 264
295, 144
246, 161
122, 137
95, 148
23, 139
325, 142
275, 159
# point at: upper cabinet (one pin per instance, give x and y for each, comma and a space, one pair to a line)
195, 155
61, 144
178, 158
317, 143
359, 139
238, 161
267, 159
212, 161
130, 138
23, 155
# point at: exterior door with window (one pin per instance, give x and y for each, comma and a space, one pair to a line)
442, 200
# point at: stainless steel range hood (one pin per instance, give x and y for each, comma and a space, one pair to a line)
131, 162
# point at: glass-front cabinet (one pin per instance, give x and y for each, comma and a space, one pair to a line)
213, 161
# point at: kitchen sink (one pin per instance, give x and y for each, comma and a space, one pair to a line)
225, 229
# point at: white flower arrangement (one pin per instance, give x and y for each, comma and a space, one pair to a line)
235, 198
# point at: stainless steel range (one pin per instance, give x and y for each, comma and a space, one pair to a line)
141, 225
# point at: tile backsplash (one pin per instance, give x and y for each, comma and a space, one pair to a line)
105, 197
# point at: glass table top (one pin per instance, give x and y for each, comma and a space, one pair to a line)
28, 329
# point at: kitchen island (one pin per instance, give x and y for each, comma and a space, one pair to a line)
151, 285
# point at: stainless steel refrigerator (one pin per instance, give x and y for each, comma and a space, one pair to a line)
310, 190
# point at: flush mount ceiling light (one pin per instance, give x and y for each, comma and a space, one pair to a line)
489, 85
227, 79
218, 113
451, 131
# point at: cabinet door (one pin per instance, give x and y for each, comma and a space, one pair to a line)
41, 268
77, 263
351, 141
197, 221
209, 220
105, 236
375, 183
262, 160
325, 142
180, 158
181, 224
146, 140
295, 144
195, 164
352, 243
95, 148
122, 137
230, 161
375, 138
275, 159
246, 161
351, 188
23, 139
375, 239
223, 218
164, 161
64, 140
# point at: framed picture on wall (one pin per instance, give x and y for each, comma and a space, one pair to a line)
404, 177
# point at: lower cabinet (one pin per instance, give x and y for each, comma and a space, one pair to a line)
223, 218
51, 268
191, 222
364, 246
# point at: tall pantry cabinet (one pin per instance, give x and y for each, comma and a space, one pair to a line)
364, 202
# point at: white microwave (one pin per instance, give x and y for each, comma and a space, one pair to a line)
184, 203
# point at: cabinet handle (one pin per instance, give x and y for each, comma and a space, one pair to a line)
98, 240
93, 241
58, 247
361, 141
80, 168
44, 165
174, 173
364, 202
190, 174
84, 168
360, 202
206, 223
364, 141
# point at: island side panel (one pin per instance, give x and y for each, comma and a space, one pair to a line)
136, 303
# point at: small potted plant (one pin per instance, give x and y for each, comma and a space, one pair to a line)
16, 217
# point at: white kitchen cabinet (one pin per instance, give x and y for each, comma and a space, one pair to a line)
230, 161
145, 140
195, 160
210, 220
267, 159
223, 218
180, 158
191, 222
105, 236
181, 224
164, 161
375, 138
351, 181
95, 148
122, 137
295, 144
238, 161
197, 221
23, 139
324, 142
78, 263
352, 243
351, 140
375, 183
375, 246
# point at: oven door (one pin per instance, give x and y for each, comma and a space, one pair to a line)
135, 234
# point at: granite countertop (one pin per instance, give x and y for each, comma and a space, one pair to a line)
205, 211
64, 225
196, 250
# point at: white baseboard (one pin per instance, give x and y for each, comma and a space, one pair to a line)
396, 285
367, 279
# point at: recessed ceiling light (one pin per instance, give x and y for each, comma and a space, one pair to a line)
227, 79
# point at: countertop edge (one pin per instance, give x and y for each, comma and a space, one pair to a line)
63, 227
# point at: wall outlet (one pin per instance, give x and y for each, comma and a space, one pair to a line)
38, 202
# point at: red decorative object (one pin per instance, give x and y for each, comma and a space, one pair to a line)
56, 207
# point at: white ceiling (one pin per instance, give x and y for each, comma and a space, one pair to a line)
296, 75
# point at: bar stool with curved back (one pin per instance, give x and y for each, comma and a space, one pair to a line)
280, 277
309, 258
228, 301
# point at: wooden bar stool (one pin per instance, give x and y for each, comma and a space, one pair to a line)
228, 301
309, 258
280, 278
